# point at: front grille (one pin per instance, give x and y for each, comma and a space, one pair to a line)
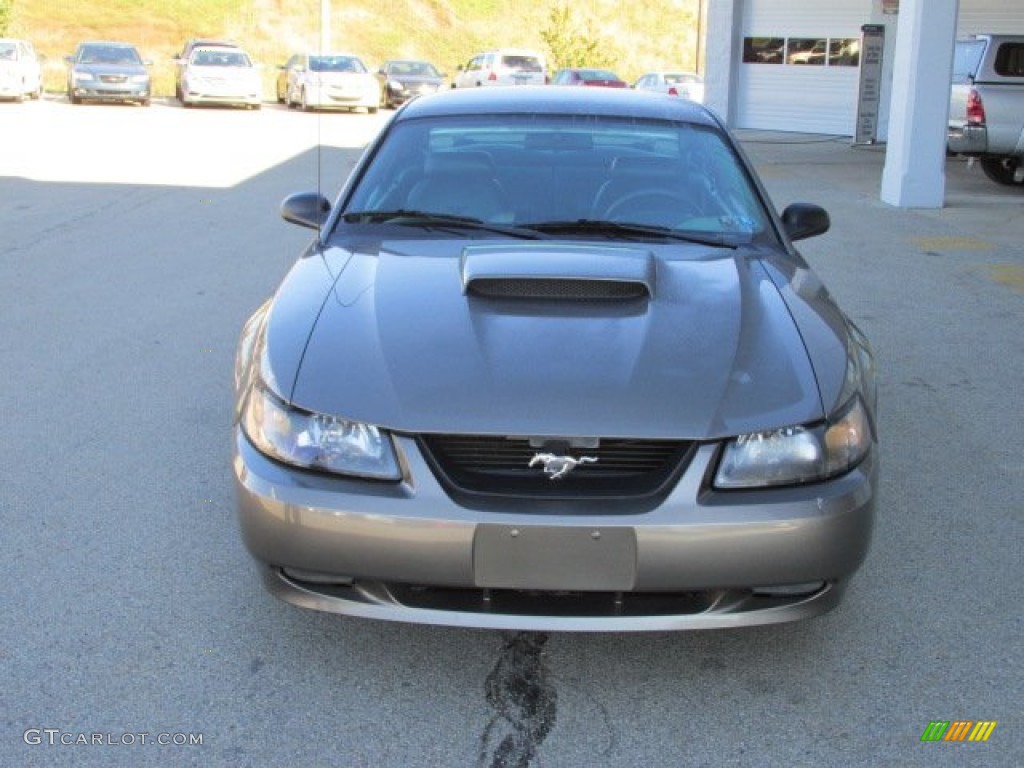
500, 466
113, 78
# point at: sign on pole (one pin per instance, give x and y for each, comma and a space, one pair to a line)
872, 46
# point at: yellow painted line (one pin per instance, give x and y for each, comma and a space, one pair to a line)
1010, 275
951, 244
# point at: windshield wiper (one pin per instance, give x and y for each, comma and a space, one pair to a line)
428, 219
629, 229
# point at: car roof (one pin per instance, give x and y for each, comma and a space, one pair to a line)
107, 43
197, 41
541, 99
330, 53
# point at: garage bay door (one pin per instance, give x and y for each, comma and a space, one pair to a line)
799, 65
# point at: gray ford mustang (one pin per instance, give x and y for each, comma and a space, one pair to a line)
552, 363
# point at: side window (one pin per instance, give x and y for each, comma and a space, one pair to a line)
1010, 60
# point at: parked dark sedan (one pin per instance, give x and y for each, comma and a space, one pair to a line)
108, 71
401, 80
552, 362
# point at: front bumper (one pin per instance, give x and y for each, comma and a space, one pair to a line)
701, 559
398, 96
114, 92
339, 97
214, 93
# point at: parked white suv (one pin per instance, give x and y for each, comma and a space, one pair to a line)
505, 66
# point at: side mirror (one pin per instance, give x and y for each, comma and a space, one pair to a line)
307, 209
803, 220
69, 59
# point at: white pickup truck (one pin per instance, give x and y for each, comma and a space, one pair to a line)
986, 109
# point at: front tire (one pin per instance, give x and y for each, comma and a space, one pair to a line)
1001, 170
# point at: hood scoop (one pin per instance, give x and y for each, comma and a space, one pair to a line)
564, 272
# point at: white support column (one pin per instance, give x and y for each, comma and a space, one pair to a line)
722, 56
915, 159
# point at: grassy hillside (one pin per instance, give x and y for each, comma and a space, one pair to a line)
648, 34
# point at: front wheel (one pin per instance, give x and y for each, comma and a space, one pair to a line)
1002, 170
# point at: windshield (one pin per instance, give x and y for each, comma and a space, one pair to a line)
220, 58
597, 74
107, 54
335, 64
412, 69
550, 171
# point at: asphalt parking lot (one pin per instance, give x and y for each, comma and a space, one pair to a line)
134, 243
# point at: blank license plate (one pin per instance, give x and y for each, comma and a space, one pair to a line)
554, 558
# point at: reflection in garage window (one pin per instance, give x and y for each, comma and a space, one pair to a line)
763, 50
844, 52
806, 50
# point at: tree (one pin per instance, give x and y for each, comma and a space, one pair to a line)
570, 46
6, 11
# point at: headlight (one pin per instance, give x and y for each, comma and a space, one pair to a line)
81, 75
317, 440
140, 78
394, 85
796, 455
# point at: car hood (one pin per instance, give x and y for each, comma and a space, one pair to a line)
411, 81
98, 70
412, 337
226, 73
343, 78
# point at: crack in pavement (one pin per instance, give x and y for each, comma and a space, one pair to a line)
524, 701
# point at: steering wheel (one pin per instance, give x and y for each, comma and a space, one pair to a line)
653, 205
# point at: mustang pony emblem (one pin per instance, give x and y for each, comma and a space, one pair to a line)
559, 466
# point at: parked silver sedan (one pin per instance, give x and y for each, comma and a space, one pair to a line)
552, 362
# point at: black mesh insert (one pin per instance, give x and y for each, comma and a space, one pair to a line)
557, 288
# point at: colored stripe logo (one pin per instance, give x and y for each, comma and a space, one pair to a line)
958, 730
